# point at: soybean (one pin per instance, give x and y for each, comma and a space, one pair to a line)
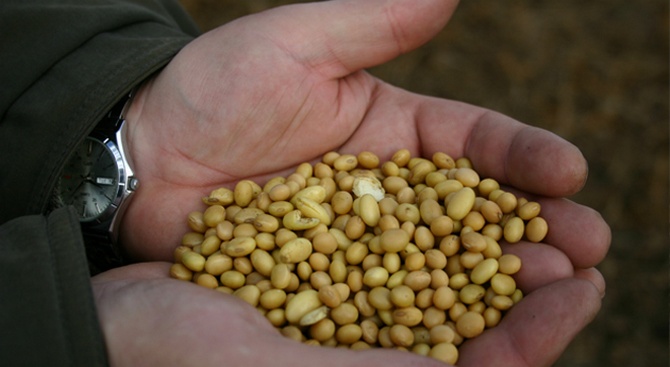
356, 252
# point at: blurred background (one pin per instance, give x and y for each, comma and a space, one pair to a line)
595, 73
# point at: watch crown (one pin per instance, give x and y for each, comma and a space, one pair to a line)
133, 183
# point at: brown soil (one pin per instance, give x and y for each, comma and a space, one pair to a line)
595, 73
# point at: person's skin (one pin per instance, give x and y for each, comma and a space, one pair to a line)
256, 97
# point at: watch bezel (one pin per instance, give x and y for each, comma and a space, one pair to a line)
120, 190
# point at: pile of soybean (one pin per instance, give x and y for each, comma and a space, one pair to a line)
358, 253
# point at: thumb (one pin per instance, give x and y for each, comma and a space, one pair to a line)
341, 37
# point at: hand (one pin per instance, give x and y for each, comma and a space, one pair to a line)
260, 95
150, 320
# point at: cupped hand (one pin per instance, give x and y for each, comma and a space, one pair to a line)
149, 319
257, 96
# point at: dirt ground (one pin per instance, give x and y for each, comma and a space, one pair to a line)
595, 73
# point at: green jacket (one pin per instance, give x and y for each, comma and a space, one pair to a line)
63, 65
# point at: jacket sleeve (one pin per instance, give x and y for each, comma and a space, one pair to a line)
47, 313
64, 64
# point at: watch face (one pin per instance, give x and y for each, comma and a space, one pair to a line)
90, 179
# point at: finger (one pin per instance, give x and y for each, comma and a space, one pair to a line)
593, 276
541, 264
579, 231
345, 36
538, 329
528, 158
139, 271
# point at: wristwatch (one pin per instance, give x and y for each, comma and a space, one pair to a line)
98, 182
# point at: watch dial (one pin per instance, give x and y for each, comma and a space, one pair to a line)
90, 179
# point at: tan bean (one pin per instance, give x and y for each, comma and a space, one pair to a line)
471, 259
503, 284
280, 208
266, 223
248, 293
370, 331
329, 296
443, 160
243, 265
196, 222
245, 215
401, 335
471, 293
502, 303
401, 157
408, 316
210, 245
280, 276
442, 226
444, 297
295, 250
435, 259
324, 243
513, 230
438, 278
369, 211
445, 352
181, 272
507, 202
467, 176
319, 262
355, 227
470, 324
461, 203
342, 202
390, 169
322, 330
458, 281
240, 246
406, 212
536, 229
420, 170
417, 280
473, 242
396, 279
509, 264
191, 239
345, 162
371, 261
193, 261
218, 263
301, 304
474, 220
232, 279
314, 316
492, 317
484, 271
213, 215
394, 240
345, 313
220, 196
312, 209
330, 157
272, 298
487, 185
338, 271
375, 277
319, 279
348, 334
243, 193
493, 249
